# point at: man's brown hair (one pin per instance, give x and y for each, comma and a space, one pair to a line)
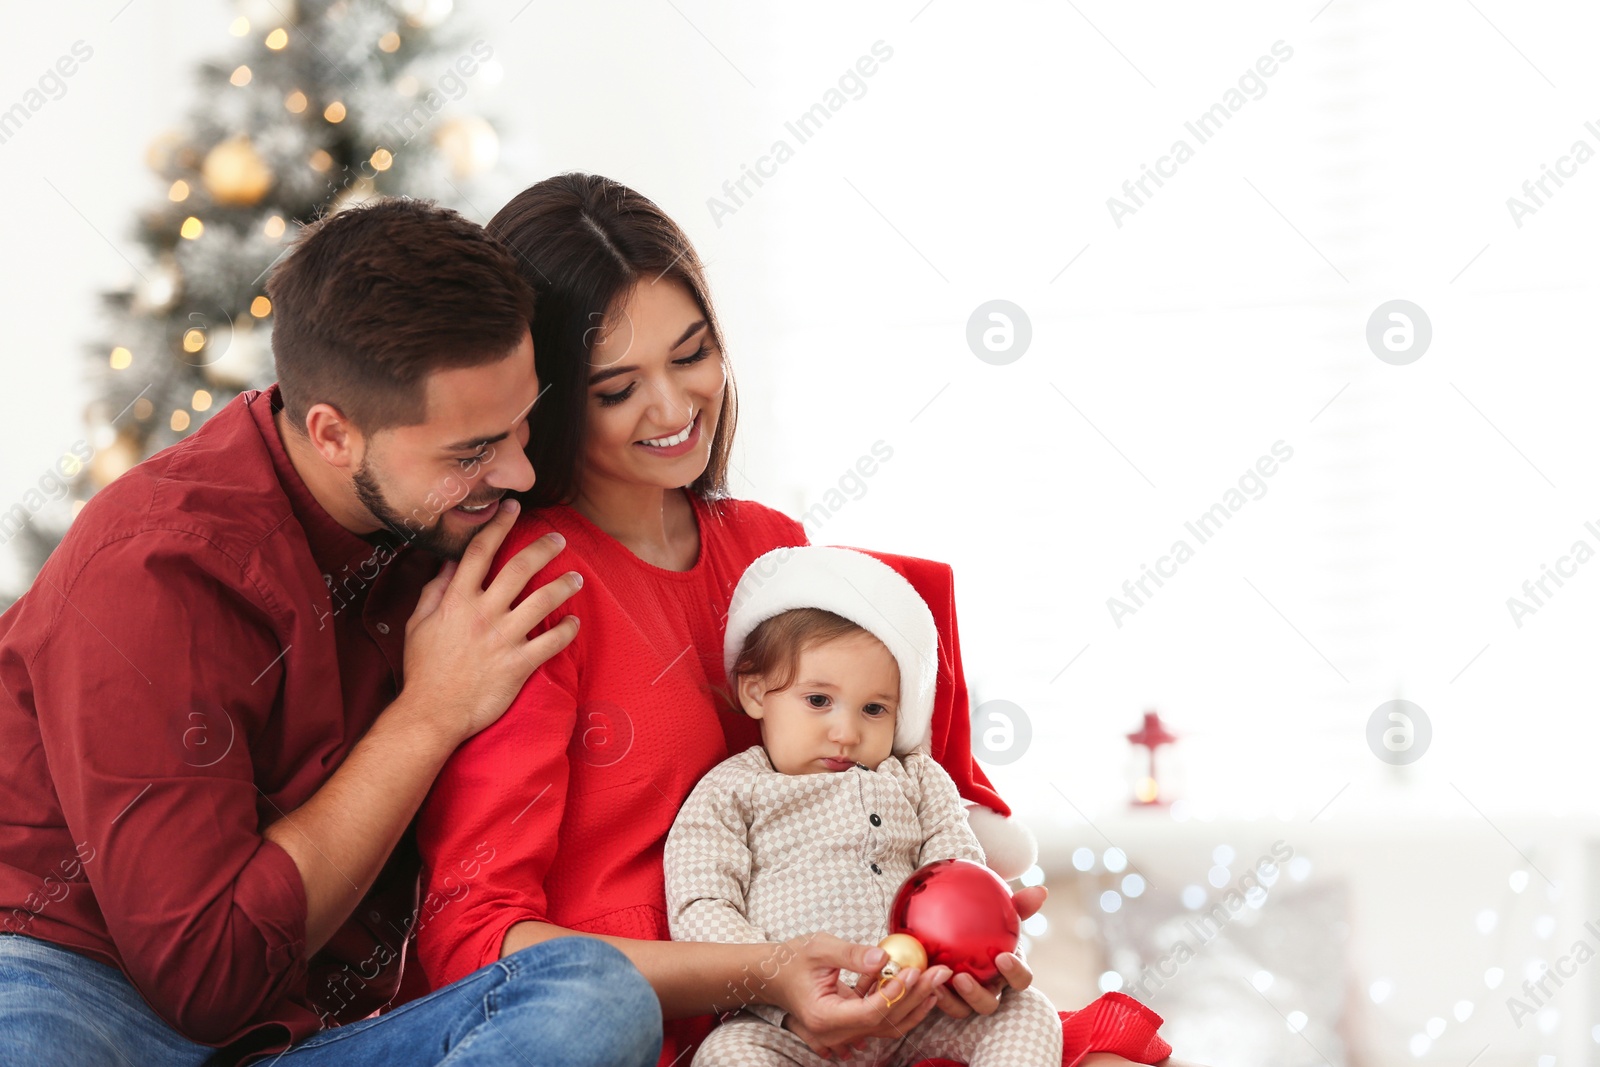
375, 298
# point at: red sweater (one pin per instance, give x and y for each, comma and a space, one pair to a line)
559, 811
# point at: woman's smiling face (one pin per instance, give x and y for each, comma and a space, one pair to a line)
656, 381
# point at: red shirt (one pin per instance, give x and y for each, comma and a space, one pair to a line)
195, 659
559, 811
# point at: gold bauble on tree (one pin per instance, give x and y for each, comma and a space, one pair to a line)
234, 174
469, 143
111, 462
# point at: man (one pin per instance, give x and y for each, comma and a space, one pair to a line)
230, 687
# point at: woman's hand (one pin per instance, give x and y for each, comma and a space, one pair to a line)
964, 994
830, 1017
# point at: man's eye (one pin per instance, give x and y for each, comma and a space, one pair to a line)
471, 461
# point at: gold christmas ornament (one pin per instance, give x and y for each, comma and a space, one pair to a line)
243, 361
159, 286
905, 952
469, 143
162, 152
426, 13
114, 460
357, 192
268, 12
235, 174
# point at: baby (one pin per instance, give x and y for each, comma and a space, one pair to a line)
817, 827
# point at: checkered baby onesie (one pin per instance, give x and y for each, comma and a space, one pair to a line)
759, 856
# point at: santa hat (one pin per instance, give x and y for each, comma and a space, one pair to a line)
909, 605
857, 587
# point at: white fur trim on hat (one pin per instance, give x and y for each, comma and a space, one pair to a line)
1009, 847
854, 585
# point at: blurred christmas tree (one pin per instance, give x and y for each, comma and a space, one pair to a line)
323, 104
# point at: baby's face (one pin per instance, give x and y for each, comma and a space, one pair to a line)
839, 711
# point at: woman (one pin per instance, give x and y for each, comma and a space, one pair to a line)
551, 822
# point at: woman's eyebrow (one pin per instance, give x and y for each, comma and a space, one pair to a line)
612, 372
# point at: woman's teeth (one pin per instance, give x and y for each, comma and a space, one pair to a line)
676, 439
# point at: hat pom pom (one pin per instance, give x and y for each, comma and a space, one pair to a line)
1009, 847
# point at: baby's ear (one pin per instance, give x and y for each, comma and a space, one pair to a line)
752, 695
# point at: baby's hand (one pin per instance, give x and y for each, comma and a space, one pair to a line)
964, 994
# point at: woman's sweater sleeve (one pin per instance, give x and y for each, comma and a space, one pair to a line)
707, 861
490, 828
708, 865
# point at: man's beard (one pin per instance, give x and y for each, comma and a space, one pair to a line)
435, 539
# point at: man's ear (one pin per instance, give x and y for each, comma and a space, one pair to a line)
333, 435
752, 695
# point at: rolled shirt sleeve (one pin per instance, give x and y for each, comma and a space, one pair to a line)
147, 722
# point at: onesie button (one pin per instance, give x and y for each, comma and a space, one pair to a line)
873, 818
876, 869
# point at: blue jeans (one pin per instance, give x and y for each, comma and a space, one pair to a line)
569, 1002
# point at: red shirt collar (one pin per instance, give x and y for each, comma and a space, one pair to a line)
332, 546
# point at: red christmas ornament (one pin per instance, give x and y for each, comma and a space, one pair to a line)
962, 914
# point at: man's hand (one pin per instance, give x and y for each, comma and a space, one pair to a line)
964, 994
467, 650
829, 1016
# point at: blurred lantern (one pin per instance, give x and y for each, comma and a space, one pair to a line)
234, 174
1151, 767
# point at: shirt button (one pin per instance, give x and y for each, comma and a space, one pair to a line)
876, 869
383, 627
873, 818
